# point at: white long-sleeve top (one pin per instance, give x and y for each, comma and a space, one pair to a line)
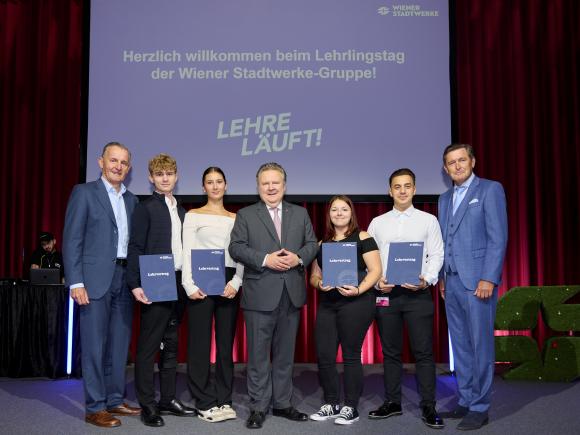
207, 231
412, 225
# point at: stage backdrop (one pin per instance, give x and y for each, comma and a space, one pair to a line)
516, 98
308, 84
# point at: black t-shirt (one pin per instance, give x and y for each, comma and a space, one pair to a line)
362, 247
46, 260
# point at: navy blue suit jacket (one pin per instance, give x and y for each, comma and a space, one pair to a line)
90, 236
477, 234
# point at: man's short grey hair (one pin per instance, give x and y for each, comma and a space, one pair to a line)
272, 166
115, 144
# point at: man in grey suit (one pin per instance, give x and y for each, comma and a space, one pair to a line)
275, 242
96, 235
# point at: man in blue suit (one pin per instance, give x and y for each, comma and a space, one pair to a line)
95, 239
473, 220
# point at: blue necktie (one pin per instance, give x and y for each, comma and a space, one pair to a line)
458, 197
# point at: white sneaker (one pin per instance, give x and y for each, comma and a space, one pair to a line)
348, 415
228, 412
326, 412
212, 415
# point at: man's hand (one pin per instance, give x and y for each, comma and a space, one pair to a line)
442, 288
139, 294
422, 285
384, 286
229, 292
198, 295
281, 260
290, 258
484, 289
79, 295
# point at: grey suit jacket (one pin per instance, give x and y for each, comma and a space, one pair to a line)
254, 236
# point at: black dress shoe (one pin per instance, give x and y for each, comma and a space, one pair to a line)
255, 420
458, 412
290, 413
175, 407
150, 417
431, 418
386, 410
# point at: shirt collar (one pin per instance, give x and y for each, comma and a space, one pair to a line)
111, 189
279, 206
407, 212
171, 201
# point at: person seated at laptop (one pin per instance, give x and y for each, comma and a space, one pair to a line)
46, 256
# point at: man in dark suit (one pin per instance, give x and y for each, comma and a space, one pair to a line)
275, 241
473, 220
95, 239
156, 229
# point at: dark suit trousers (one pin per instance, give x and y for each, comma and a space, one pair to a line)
105, 330
158, 332
200, 315
343, 321
271, 333
416, 310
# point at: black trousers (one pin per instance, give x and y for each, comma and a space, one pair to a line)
415, 308
201, 315
158, 332
343, 321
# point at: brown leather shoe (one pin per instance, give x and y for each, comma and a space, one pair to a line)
124, 409
102, 419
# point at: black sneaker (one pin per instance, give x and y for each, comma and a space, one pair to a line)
348, 415
386, 410
326, 412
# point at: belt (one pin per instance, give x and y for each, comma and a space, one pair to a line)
121, 262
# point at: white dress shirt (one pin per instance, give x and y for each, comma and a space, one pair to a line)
176, 247
411, 225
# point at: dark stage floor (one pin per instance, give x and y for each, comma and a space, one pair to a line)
39, 406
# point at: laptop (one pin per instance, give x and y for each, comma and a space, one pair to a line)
45, 276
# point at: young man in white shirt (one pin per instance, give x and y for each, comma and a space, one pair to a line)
407, 303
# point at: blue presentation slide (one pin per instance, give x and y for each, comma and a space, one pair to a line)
340, 92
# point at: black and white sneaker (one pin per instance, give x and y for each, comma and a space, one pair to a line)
348, 415
326, 412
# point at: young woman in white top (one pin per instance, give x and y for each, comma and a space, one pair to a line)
209, 227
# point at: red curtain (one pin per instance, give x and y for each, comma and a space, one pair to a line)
516, 99
40, 117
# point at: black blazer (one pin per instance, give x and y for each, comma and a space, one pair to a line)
150, 234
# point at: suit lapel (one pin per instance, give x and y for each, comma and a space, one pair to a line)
446, 209
103, 198
264, 216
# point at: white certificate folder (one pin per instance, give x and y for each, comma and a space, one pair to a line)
339, 264
405, 261
208, 270
158, 277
